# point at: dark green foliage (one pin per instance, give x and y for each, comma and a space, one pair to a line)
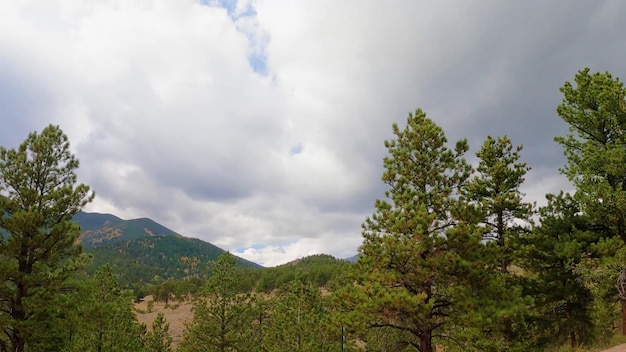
497, 205
595, 111
222, 314
170, 257
299, 319
417, 256
495, 193
105, 317
319, 269
167, 291
38, 251
554, 252
158, 340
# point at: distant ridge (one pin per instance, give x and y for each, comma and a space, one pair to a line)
140, 249
352, 259
98, 229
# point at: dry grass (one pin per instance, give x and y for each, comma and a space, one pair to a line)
175, 317
619, 348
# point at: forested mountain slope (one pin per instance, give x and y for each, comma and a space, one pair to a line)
140, 249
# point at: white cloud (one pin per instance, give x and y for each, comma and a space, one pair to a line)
170, 120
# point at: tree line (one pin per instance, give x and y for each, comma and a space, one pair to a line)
453, 255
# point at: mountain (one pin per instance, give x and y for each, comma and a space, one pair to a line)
98, 229
140, 249
352, 259
319, 269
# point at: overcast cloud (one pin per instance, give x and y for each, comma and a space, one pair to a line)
259, 125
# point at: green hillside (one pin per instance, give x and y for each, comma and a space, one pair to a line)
98, 229
140, 249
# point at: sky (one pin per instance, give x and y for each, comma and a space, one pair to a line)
259, 126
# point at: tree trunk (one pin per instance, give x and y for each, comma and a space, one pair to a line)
621, 231
502, 242
18, 314
17, 340
623, 316
426, 342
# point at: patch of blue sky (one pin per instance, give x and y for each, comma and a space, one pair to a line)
258, 64
254, 246
256, 60
296, 149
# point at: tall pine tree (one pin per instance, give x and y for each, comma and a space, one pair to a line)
416, 251
39, 195
495, 194
595, 111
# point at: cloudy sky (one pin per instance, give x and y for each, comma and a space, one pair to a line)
259, 125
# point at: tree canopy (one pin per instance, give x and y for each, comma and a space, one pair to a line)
39, 196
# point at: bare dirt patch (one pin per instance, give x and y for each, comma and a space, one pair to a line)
176, 317
619, 348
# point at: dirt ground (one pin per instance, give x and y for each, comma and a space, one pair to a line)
176, 317
620, 348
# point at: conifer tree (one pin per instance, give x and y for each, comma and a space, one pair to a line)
298, 319
159, 339
595, 111
495, 191
417, 255
39, 195
496, 197
107, 320
555, 254
222, 315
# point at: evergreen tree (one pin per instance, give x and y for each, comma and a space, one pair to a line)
555, 253
495, 193
595, 111
39, 196
417, 254
299, 319
159, 339
222, 316
107, 320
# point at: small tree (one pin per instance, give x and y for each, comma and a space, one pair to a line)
497, 196
159, 339
504, 217
107, 320
298, 319
221, 315
555, 254
39, 196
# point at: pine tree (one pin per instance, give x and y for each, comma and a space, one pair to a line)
222, 315
504, 217
106, 316
299, 319
595, 111
39, 196
417, 253
496, 193
555, 254
159, 339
